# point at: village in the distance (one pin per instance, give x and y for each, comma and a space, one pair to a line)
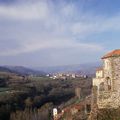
63, 95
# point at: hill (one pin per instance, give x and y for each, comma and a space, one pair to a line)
4, 69
88, 68
20, 70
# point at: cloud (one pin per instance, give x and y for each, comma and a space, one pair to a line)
54, 32
44, 25
98, 24
49, 29
28, 11
51, 43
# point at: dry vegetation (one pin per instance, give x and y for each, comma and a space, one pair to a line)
22, 96
108, 114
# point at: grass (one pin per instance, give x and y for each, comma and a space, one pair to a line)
3, 93
3, 89
39, 78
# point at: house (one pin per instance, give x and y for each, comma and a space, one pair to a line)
107, 81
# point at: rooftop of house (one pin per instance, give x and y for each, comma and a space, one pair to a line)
99, 69
113, 53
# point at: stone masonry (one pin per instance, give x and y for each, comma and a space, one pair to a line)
107, 81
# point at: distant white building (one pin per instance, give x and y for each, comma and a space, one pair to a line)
48, 75
55, 112
73, 75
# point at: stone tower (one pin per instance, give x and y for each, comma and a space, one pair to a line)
107, 80
111, 68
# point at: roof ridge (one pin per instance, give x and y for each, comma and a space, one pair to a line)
113, 53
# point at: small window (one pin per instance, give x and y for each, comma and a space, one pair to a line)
102, 87
108, 81
107, 64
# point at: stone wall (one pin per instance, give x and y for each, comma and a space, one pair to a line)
94, 96
116, 72
107, 67
97, 81
109, 100
110, 95
99, 74
112, 71
108, 72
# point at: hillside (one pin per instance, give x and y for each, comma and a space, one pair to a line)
4, 69
21, 93
88, 68
20, 70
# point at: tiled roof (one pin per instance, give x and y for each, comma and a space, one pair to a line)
112, 54
99, 69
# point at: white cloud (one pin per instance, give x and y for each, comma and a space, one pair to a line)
31, 45
29, 11
43, 27
96, 25
54, 31
68, 10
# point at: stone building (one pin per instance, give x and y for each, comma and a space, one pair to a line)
107, 81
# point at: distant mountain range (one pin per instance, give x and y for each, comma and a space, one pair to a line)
21, 70
88, 68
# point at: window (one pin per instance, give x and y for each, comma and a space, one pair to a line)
108, 81
107, 64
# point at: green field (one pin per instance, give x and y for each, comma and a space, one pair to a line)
39, 78
3, 89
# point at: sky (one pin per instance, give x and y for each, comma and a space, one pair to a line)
57, 32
